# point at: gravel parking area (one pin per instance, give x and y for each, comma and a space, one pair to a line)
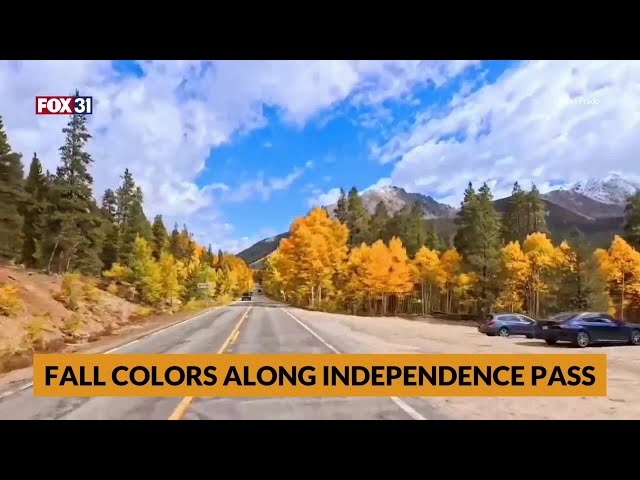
396, 335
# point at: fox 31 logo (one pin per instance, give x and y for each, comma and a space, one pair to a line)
67, 105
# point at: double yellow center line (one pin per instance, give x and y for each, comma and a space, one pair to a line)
183, 406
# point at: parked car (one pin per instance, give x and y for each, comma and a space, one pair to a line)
587, 328
508, 324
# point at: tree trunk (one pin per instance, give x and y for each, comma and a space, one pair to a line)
55, 247
622, 299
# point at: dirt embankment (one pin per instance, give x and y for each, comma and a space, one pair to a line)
396, 335
50, 313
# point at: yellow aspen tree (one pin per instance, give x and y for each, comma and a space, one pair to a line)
317, 247
621, 265
429, 273
273, 277
450, 261
541, 257
514, 272
400, 279
172, 276
464, 283
355, 290
377, 267
144, 272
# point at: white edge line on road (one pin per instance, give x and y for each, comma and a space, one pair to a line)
30, 384
406, 408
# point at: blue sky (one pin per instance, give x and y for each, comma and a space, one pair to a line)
238, 149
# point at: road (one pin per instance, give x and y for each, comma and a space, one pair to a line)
263, 326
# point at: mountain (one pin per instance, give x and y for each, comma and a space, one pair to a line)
596, 207
583, 205
262, 249
394, 198
613, 189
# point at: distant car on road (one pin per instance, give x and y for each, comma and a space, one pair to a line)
246, 296
508, 324
587, 328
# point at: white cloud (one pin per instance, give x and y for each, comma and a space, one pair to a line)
323, 199
267, 145
261, 187
535, 132
163, 125
383, 182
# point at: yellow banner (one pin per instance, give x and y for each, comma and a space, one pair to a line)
319, 375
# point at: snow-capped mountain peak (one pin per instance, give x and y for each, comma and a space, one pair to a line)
613, 189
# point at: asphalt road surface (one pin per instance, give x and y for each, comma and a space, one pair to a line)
263, 326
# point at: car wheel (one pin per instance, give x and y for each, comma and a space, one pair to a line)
582, 339
551, 341
528, 335
635, 337
503, 332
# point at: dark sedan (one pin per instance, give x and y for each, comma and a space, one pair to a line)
587, 328
508, 324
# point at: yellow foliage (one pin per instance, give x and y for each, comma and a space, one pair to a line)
117, 272
428, 267
112, 289
72, 324
515, 274
400, 281
172, 274
34, 336
312, 257
144, 272
620, 265
72, 291
10, 303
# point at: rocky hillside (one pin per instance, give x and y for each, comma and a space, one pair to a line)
394, 198
594, 206
613, 189
48, 312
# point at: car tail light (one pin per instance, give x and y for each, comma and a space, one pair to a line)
490, 322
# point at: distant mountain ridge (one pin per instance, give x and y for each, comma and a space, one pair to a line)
594, 206
394, 198
613, 189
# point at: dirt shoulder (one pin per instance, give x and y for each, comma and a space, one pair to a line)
397, 335
126, 334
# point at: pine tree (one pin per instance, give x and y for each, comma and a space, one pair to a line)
111, 229
160, 237
536, 209
73, 234
130, 217
514, 224
357, 218
36, 189
341, 210
478, 240
11, 198
379, 221
109, 205
463, 238
174, 244
632, 221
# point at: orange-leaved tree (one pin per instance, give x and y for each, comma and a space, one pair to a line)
514, 274
450, 261
620, 265
428, 272
355, 290
542, 257
317, 250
